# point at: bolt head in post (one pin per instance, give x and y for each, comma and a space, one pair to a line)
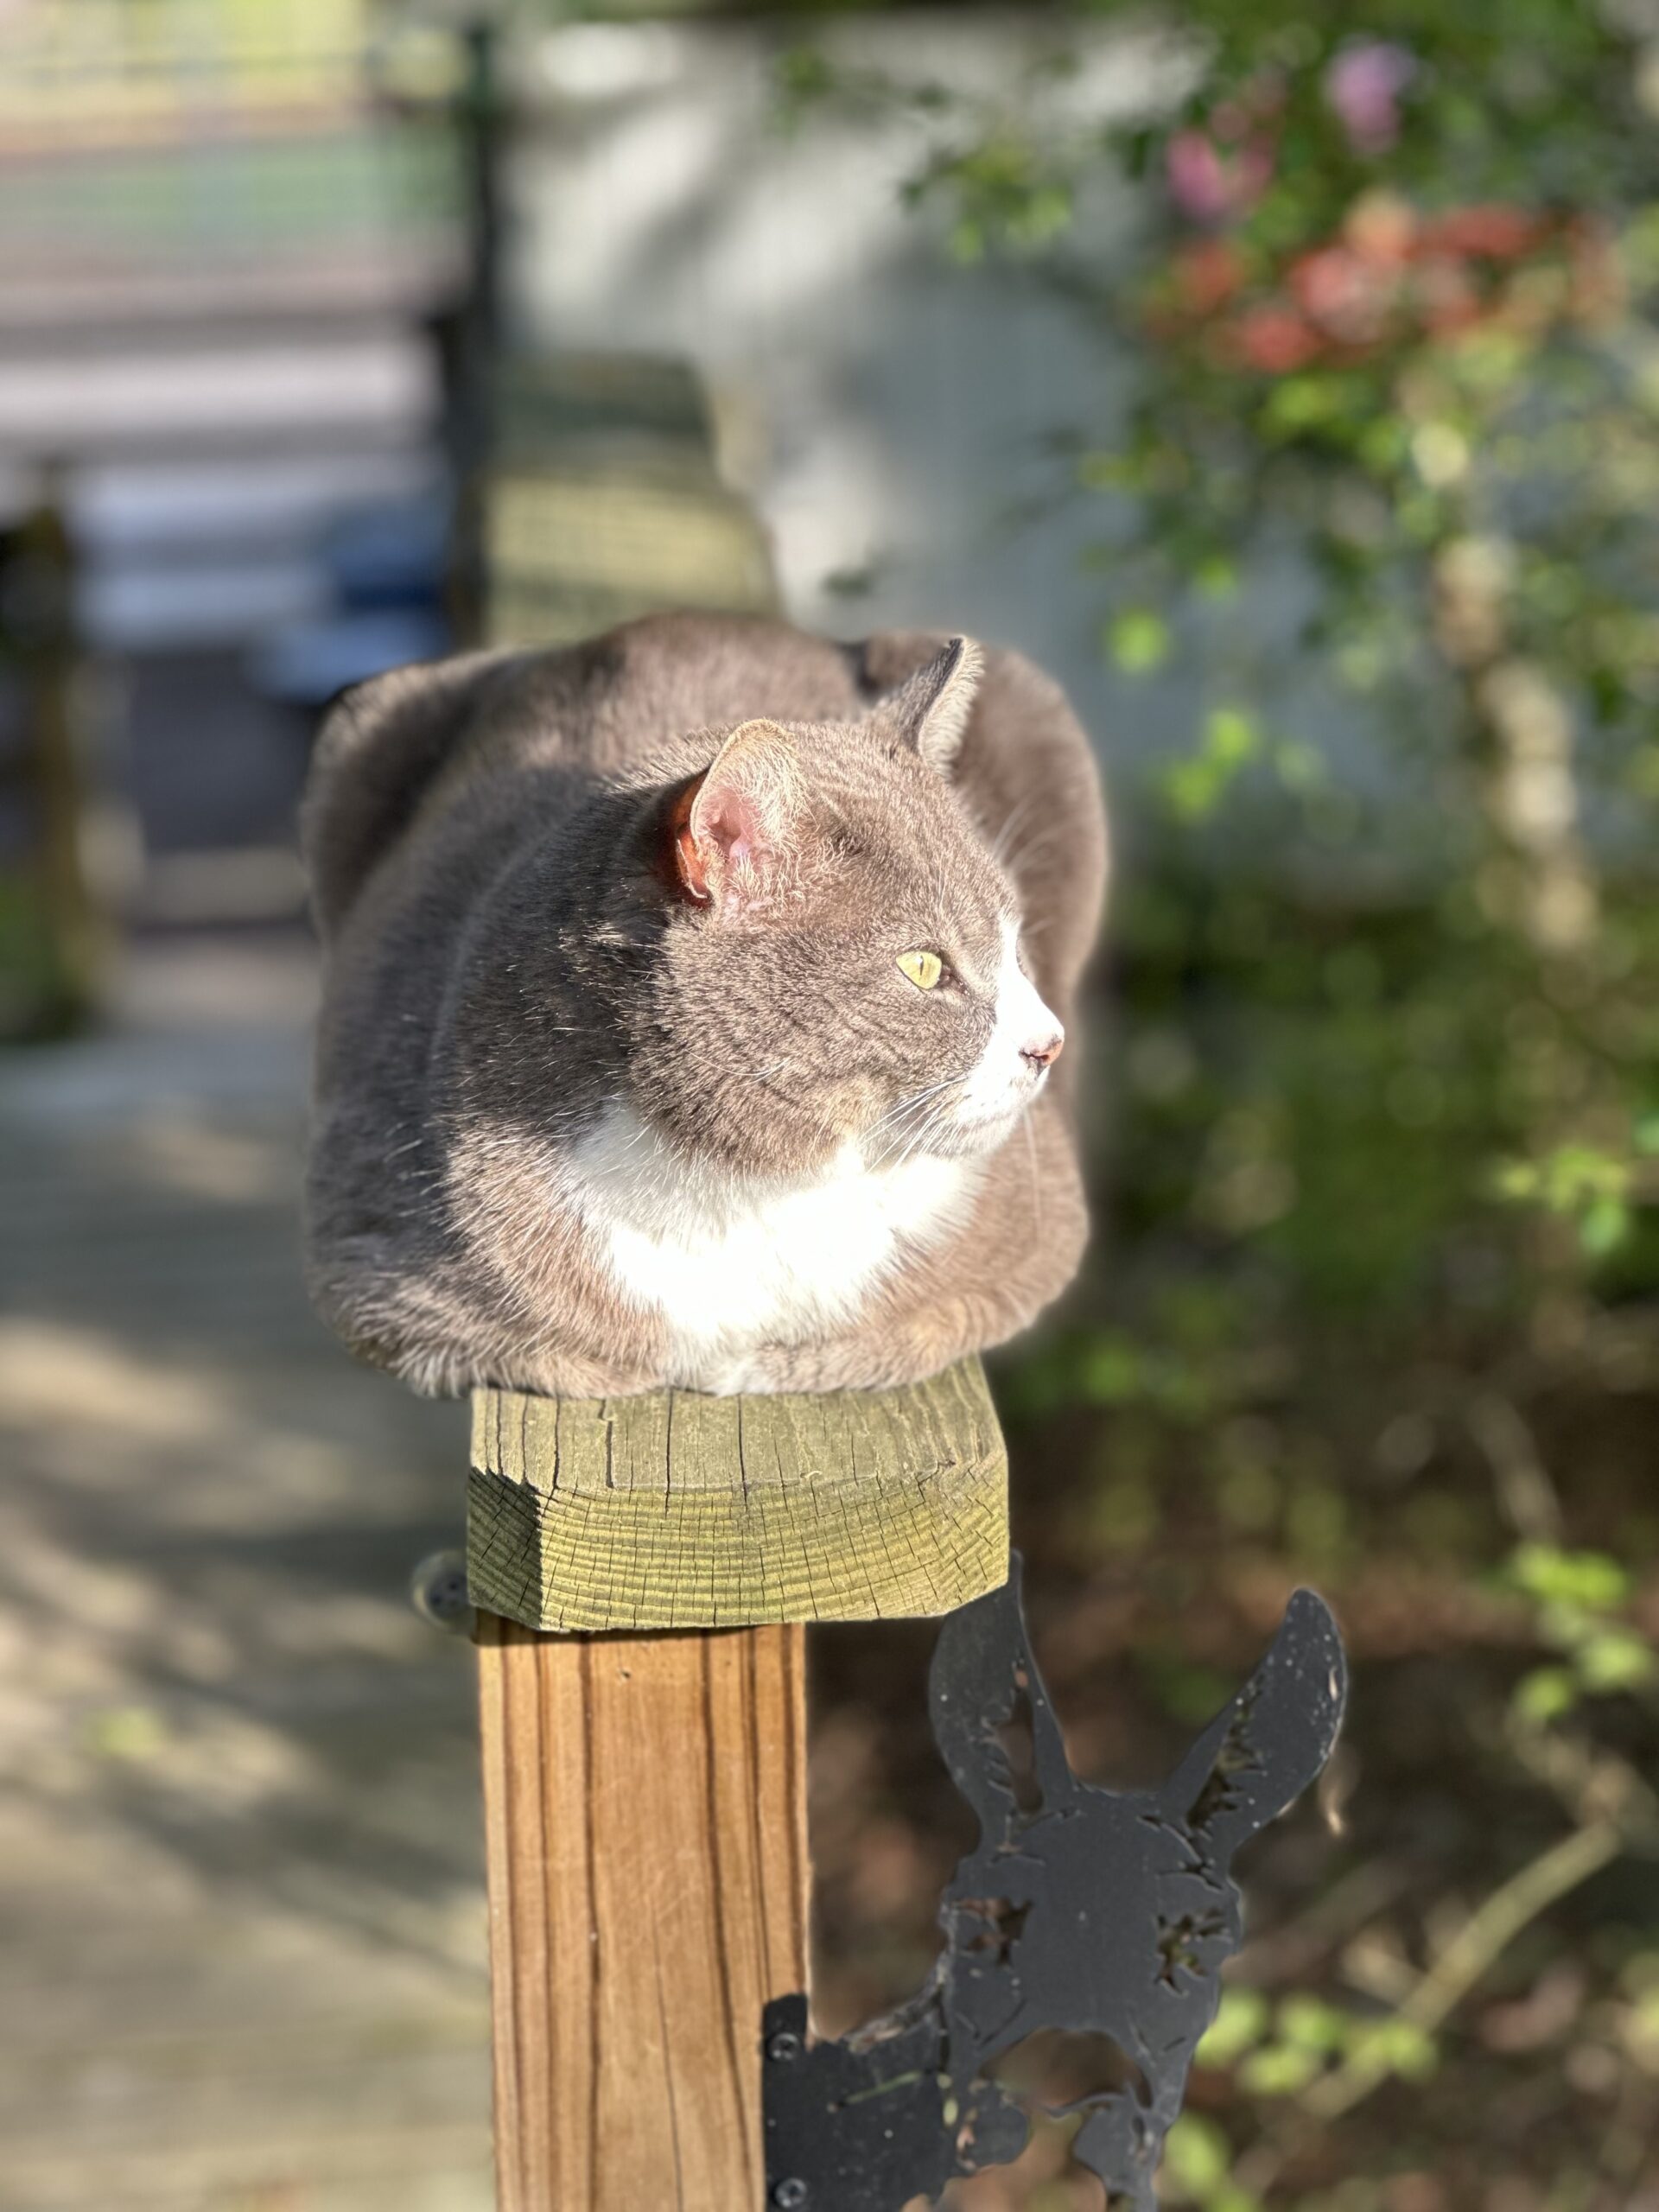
790, 2195
438, 1590
785, 2046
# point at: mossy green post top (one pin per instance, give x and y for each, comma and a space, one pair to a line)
678, 1510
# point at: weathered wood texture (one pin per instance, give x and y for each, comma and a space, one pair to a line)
680, 1511
645, 1817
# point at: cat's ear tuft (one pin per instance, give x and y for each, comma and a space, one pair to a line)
736, 847
929, 710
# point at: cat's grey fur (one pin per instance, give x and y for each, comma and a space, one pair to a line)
606, 1053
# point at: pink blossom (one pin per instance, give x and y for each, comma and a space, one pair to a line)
1207, 184
1363, 84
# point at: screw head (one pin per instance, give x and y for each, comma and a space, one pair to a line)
438, 1590
785, 2046
790, 2195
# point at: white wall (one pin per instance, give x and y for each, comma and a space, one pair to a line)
888, 408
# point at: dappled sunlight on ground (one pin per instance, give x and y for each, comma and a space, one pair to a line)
243, 1948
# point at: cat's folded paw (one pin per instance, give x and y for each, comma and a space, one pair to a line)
874, 1358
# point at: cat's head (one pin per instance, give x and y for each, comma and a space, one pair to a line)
842, 961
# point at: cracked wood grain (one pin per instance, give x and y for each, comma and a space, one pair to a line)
677, 1510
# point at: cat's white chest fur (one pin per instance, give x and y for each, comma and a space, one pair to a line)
731, 1263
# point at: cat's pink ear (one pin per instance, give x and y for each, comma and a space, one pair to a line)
737, 845
929, 710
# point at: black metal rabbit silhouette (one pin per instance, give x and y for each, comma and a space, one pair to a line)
1082, 1909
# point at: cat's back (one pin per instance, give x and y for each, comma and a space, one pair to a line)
443, 750
631, 695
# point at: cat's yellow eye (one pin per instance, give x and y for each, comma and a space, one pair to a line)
923, 969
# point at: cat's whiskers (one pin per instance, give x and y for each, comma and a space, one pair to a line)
907, 1105
914, 1114
915, 1145
919, 1136
893, 1120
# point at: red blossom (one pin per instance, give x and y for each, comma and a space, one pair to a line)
1276, 340
1495, 233
1344, 295
1207, 273
1388, 278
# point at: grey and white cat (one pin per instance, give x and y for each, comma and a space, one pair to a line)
690, 1000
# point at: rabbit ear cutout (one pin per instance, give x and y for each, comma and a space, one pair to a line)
1261, 1751
992, 1719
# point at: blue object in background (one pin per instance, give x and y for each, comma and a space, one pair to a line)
386, 566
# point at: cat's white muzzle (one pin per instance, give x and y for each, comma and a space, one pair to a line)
1023, 1045
982, 1126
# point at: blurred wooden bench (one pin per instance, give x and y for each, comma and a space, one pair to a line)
600, 500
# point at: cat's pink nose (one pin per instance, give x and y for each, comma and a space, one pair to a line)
1043, 1054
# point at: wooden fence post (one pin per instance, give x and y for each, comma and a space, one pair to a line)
644, 1728
646, 1818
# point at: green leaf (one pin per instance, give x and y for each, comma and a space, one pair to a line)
1589, 1581
1309, 2023
1138, 640
1240, 2022
1280, 2070
1193, 788
1046, 212
1114, 1373
1231, 737
1548, 1693
1401, 2046
1108, 472
1216, 576
1197, 2156
1614, 1659
1605, 1226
